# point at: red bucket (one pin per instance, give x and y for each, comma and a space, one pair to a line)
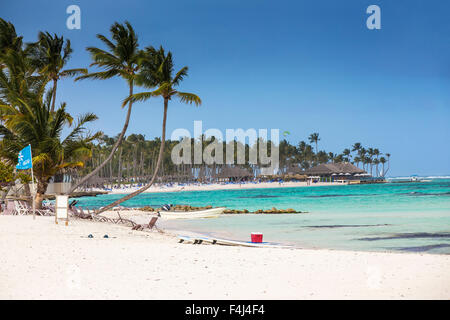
257, 237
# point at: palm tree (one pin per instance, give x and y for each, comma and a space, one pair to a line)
368, 161
331, 156
370, 153
314, 138
357, 160
383, 161
388, 155
158, 71
8, 38
356, 147
347, 154
32, 123
376, 162
123, 59
49, 54
362, 155
26, 118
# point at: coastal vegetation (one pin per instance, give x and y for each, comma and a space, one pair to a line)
122, 59
137, 160
29, 115
158, 71
27, 111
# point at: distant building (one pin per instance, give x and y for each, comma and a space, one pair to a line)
236, 174
335, 172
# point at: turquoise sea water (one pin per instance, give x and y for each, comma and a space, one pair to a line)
406, 217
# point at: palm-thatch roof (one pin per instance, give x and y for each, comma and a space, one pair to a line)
294, 170
233, 172
334, 168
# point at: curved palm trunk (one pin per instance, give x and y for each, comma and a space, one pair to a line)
6, 192
155, 173
113, 150
55, 83
119, 174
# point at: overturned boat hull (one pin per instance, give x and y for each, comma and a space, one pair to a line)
209, 213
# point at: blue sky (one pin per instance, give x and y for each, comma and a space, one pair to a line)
300, 66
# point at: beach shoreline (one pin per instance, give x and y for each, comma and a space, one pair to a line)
42, 260
219, 186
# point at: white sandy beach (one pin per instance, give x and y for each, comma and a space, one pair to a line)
41, 260
219, 186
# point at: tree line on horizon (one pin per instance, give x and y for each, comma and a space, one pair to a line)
137, 156
29, 115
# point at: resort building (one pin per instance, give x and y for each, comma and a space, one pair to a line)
334, 172
233, 174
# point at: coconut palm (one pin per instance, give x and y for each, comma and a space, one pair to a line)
50, 54
372, 153
18, 80
123, 59
362, 155
158, 71
356, 147
8, 38
357, 160
32, 123
383, 161
388, 155
368, 161
314, 138
376, 162
347, 154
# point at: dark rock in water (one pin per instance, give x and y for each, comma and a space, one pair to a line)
423, 248
343, 195
261, 211
259, 196
413, 235
423, 194
348, 226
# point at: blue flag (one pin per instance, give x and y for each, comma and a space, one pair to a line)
25, 159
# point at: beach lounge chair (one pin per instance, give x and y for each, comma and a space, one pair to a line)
152, 222
150, 225
73, 211
20, 208
10, 208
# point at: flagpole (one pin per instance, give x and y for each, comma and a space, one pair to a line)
34, 187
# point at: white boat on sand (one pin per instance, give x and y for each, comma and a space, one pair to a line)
208, 213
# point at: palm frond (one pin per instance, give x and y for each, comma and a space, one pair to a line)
189, 98
102, 75
73, 72
143, 96
180, 76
